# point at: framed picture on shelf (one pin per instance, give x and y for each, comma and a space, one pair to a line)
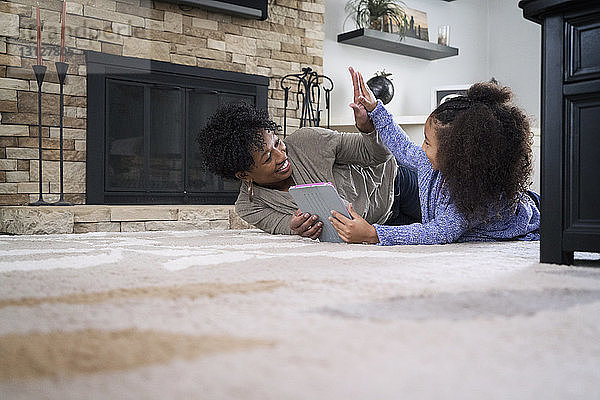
417, 24
443, 93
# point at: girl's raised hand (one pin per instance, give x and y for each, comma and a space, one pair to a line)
356, 230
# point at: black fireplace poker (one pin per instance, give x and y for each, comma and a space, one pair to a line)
40, 72
61, 69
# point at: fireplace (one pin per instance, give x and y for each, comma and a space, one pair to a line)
143, 116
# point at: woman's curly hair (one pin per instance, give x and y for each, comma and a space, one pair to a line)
230, 137
484, 149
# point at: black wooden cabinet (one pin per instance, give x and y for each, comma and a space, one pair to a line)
570, 152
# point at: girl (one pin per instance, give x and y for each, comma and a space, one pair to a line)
473, 171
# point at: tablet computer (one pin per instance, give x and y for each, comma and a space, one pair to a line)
320, 199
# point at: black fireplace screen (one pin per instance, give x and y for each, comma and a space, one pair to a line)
142, 123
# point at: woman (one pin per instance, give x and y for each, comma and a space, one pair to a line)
241, 142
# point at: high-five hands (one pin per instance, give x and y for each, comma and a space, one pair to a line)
364, 101
306, 225
355, 230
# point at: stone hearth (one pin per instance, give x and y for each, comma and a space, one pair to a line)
27, 220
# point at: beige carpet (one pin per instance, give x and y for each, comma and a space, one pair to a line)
246, 315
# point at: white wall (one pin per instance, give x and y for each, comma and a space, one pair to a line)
493, 38
413, 78
514, 52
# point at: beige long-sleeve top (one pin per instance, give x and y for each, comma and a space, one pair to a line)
358, 164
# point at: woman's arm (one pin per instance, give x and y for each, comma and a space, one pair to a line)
266, 219
277, 222
262, 216
365, 149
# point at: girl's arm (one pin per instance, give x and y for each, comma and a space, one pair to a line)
445, 228
396, 140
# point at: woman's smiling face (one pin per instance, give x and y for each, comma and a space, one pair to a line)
271, 164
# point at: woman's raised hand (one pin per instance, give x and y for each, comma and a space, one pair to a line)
366, 96
364, 100
361, 118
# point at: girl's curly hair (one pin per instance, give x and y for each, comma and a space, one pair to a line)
484, 149
230, 137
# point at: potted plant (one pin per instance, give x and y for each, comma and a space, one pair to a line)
382, 15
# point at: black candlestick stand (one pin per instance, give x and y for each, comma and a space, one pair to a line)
40, 72
61, 69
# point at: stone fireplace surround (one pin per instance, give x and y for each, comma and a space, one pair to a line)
291, 38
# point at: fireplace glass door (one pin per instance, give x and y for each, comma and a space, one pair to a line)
145, 138
142, 148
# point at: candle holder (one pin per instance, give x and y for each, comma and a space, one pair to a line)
40, 72
61, 70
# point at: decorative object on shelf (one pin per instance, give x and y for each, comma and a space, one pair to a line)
443, 93
381, 15
417, 24
382, 87
308, 93
444, 35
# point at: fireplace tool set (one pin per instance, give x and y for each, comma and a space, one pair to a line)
308, 94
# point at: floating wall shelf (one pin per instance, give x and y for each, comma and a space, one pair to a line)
391, 43
400, 120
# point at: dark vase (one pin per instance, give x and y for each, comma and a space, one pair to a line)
382, 88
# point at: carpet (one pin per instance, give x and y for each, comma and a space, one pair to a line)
247, 315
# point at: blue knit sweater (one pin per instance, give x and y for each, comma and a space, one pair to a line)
442, 223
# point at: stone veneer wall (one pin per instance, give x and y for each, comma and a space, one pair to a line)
291, 38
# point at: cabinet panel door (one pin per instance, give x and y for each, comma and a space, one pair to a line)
583, 161
582, 48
